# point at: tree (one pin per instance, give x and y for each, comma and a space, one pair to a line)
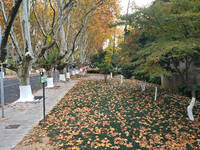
170, 40
98, 58
105, 69
70, 42
58, 30
25, 56
99, 30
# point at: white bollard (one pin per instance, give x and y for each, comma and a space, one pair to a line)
111, 75
156, 92
189, 109
121, 81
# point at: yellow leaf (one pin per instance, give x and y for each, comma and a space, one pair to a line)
75, 148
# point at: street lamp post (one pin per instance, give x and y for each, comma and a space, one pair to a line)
2, 88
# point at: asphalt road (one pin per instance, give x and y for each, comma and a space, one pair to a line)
11, 88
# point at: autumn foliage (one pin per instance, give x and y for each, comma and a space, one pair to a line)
98, 115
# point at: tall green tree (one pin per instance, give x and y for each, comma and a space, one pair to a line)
168, 43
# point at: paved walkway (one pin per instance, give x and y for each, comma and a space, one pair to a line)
28, 115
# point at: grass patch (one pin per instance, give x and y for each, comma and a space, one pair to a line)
98, 115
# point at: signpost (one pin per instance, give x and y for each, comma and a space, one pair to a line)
2, 91
2, 88
43, 80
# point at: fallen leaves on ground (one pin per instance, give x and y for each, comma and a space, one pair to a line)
98, 115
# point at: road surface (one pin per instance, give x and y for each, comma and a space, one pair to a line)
11, 88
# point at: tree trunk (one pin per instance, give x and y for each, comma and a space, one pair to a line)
67, 68
105, 78
193, 92
23, 74
61, 75
50, 83
49, 73
23, 70
25, 27
68, 75
61, 71
24, 82
83, 46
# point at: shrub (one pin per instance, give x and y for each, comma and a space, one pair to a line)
93, 70
105, 69
127, 70
184, 90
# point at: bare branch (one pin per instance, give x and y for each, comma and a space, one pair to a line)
83, 22
54, 15
46, 48
37, 19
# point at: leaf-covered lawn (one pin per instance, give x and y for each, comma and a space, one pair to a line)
98, 115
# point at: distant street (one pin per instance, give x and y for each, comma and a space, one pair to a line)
11, 88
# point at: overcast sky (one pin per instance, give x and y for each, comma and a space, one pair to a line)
139, 3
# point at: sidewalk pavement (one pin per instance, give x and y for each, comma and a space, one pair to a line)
24, 116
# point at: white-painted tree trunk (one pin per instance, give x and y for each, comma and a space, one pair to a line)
24, 82
156, 92
50, 82
189, 109
111, 75
25, 94
68, 75
62, 77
